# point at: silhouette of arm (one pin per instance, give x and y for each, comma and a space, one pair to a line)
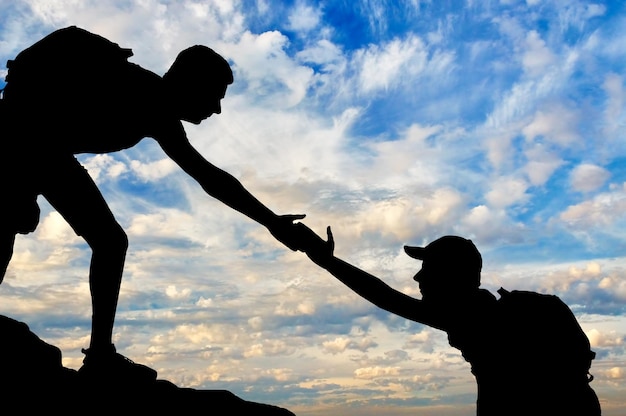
364, 284
226, 188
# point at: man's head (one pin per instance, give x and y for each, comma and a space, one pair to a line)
197, 82
450, 265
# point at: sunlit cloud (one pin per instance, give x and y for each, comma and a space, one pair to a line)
602, 210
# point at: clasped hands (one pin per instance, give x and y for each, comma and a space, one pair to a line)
299, 237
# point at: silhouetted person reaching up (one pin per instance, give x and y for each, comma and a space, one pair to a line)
75, 92
527, 351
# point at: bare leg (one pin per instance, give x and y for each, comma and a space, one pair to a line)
105, 278
75, 196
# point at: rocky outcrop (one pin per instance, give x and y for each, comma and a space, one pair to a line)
34, 381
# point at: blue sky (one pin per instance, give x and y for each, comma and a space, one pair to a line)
393, 122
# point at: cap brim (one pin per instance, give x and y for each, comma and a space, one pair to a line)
415, 252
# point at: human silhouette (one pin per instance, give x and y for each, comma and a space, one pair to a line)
75, 92
526, 350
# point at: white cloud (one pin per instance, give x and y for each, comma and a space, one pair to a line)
304, 17
295, 308
601, 339
204, 303
577, 14
525, 96
269, 348
256, 323
411, 155
198, 334
614, 284
485, 223
104, 165
614, 111
270, 73
153, 170
587, 177
616, 373
574, 278
162, 223
510, 27
341, 344
600, 211
515, 104
174, 293
499, 148
337, 345
479, 216
53, 12
402, 218
370, 373
226, 8
384, 66
541, 164
422, 340
537, 57
273, 156
325, 53
53, 228
556, 124
507, 191
262, 6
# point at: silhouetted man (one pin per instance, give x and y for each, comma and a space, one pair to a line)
527, 351
75, 92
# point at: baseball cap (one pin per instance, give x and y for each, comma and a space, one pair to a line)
453, 251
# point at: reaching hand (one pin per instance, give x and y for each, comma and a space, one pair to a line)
314, 246
283, 229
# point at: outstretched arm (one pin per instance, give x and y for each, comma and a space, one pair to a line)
364, 284
226, 188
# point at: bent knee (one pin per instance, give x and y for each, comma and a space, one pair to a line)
107, 238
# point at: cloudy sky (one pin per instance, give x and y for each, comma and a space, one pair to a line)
395, 122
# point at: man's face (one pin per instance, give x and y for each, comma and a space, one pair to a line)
433, 280
202, 102
426, 279
441, 282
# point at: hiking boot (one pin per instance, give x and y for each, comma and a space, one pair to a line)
107, 363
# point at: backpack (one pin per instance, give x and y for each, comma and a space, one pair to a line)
564, 348
68, 62
534, 359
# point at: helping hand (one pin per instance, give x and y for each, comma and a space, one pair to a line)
314, 246
283, 229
